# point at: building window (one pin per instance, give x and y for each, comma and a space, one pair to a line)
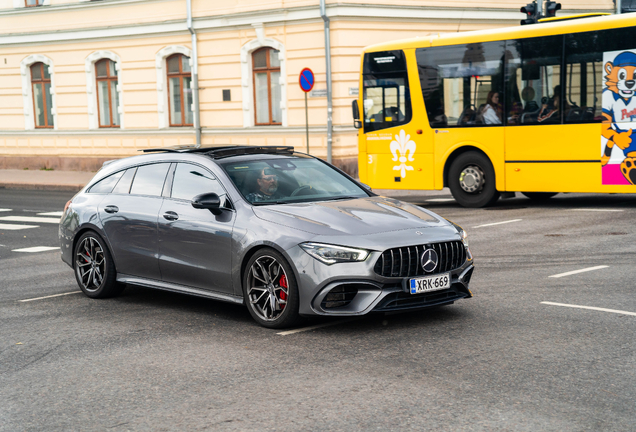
32, 3
267, 92
107, 95
42, 100
180, 93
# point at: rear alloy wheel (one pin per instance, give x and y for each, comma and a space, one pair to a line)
270, 290
94, 268
539, 196
471, 179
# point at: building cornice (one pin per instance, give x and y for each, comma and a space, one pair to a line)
270, 17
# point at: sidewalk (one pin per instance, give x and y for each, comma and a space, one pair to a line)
73, 181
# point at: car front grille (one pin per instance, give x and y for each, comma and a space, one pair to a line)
403, 301
405, 261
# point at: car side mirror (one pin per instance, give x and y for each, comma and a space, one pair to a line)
356, 114
210, 201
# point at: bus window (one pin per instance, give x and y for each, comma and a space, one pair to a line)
386, 97
534, 66
462, 84
585, 76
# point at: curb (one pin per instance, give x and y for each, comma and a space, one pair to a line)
39, 186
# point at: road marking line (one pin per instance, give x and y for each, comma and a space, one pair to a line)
5, 210
51, 296
29, 219
598, 210
440, 199
288, 332
12, 227
498, 223
591, 308
36, 249
578, 271
55, 213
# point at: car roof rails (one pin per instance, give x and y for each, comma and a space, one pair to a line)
223, 151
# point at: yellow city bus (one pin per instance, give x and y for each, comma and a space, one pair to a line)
538, 109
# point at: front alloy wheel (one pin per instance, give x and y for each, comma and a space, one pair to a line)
270, 290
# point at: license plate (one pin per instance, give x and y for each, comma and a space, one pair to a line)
430, 283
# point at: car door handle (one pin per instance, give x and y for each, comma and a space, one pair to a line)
171, 216
111, 209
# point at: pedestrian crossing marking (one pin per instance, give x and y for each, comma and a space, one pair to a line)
13, 227
29, 219
55, 213
36, 249
5, 210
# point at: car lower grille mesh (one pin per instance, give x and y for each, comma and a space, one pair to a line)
405, 261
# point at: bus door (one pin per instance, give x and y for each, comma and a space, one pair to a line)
392, 152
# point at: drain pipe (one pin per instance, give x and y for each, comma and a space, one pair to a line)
325, 18
195, 76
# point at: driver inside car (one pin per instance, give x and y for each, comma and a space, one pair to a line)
267, 184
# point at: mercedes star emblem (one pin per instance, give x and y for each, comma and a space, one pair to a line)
429, 260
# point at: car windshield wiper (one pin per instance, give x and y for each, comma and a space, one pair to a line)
341, 198
260, 203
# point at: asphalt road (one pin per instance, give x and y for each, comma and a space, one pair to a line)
502, 360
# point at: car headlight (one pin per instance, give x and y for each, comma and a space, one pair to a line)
331, 254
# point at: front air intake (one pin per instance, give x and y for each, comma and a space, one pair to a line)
339, 297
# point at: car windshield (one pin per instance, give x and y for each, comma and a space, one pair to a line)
290, 180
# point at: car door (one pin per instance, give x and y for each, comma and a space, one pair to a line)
194, 244
129, 217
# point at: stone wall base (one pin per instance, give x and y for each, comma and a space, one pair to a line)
92, 164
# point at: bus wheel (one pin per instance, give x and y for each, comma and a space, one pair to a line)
539, 196
471, 179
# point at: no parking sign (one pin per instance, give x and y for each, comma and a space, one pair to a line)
306, 80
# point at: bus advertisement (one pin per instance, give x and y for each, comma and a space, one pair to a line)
538, 109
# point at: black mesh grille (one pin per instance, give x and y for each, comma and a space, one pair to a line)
402, 300
339, 297
405, 261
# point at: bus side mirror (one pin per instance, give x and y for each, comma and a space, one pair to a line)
356, 114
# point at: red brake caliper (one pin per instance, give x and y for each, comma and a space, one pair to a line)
283, 283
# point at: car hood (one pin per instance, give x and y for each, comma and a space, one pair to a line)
353, 217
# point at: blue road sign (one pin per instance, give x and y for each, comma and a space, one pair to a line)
306, 80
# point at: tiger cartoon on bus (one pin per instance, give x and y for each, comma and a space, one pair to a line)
618, 158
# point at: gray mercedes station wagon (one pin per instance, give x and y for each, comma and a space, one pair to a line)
284, 233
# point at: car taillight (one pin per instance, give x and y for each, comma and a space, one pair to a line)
68, 204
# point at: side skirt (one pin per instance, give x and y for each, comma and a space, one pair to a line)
167, 286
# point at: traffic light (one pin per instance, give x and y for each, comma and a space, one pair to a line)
551, 9
532, 13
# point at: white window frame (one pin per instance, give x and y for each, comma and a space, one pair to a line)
247, 83
91, 87
27, 89
162, 81
22, 4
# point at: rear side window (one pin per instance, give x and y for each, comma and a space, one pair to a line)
387, 101
149, 179
106, 185
192, 180
123, 185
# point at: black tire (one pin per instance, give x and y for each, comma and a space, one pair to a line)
485, 192
102, 282
283, 315
539, 196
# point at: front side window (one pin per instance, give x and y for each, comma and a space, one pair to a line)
149, 179
107, 95
267, 94
290, 180
462, 84
42, 100
533, 70
386, 94
106, 185
192, 180
180, 91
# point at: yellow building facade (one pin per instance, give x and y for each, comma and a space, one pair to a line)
85, 81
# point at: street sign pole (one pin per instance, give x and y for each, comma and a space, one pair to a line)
306, 81
306, 123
